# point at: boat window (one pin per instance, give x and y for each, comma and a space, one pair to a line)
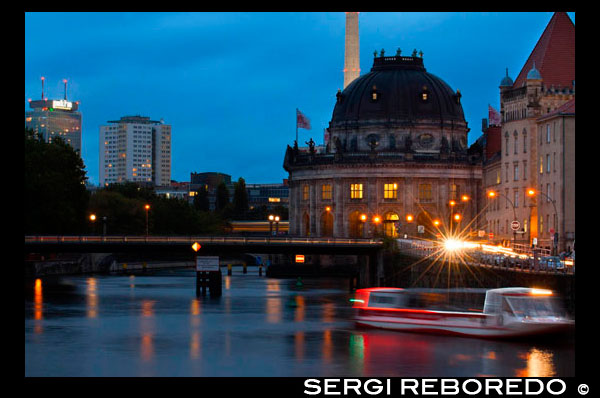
534, 306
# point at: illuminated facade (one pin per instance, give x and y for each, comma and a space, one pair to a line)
55, 118
396, 158
135, 149
536, 152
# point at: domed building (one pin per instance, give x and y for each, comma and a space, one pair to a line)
397, 160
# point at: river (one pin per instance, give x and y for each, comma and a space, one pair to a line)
152, 324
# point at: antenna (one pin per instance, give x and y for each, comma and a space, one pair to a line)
43, 87
65, 82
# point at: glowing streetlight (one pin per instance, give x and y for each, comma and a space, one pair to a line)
376, 219
327, 209
452, 203
363, 217
457, 217
92, 217
436, 222
532, 192
409, 218
465, 198
147, 207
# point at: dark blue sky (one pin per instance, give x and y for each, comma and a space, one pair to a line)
230, 83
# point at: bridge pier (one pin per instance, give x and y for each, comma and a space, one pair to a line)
211, 280
370, 270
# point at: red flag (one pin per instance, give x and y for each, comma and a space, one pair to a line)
302, 121
494, 116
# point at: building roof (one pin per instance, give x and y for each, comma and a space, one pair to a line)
568, 108
554, 54
400, 83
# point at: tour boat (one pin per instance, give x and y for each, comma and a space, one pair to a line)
506, 312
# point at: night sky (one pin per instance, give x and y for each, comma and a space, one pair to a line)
230, 83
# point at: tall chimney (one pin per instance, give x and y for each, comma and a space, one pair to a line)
65, 82
352, 54
43, 88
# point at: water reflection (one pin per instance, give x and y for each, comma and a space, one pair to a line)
539, 364
273, 309
91, 298
327, 349
299, 313
147, 330
38, 301
299, 345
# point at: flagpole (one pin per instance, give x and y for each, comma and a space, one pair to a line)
296, 125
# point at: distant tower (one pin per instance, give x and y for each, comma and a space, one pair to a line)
352, 55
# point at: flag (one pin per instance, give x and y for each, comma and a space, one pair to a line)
494, 116
302, 121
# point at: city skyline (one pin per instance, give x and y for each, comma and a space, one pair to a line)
230, 87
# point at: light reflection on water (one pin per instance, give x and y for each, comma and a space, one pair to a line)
153, 324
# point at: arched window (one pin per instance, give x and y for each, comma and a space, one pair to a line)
326, 223
305, 225
390, 219
355, 225
524, 141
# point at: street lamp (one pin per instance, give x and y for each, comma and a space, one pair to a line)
147, 207
93, 220
531, 193
271, 218
276, 225
493, 194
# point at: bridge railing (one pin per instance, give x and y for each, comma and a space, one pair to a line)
200, 239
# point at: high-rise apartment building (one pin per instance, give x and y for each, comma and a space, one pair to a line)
55, 118
135, 149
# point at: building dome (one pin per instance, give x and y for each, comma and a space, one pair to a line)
506, 80
534, 74
397, 90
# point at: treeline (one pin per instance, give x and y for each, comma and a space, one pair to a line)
57, 201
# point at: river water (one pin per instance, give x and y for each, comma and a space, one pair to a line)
153, 324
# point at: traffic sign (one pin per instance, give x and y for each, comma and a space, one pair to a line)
299, 258
421, 229
196, 246
515, 225
491, 235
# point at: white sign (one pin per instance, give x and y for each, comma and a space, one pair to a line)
515, 225
62, 104
481, 233
207, 263
421, 229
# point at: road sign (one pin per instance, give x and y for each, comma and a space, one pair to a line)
299, 258
481, 233
196, 246
207, 263
515, 225
491, 235
421, 229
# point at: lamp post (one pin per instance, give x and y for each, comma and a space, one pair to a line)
271, 218
363, 219
276, 225
93, 220
493, 194
531, 193
376, 221
147, 207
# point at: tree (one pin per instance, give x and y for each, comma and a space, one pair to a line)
222, 199
240, 199
201, 201
56, 199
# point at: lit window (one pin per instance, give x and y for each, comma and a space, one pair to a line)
326, 192
356, 191
541, 164
305, 192
274, 200
390, 191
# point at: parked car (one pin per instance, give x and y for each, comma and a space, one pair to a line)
552, 262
